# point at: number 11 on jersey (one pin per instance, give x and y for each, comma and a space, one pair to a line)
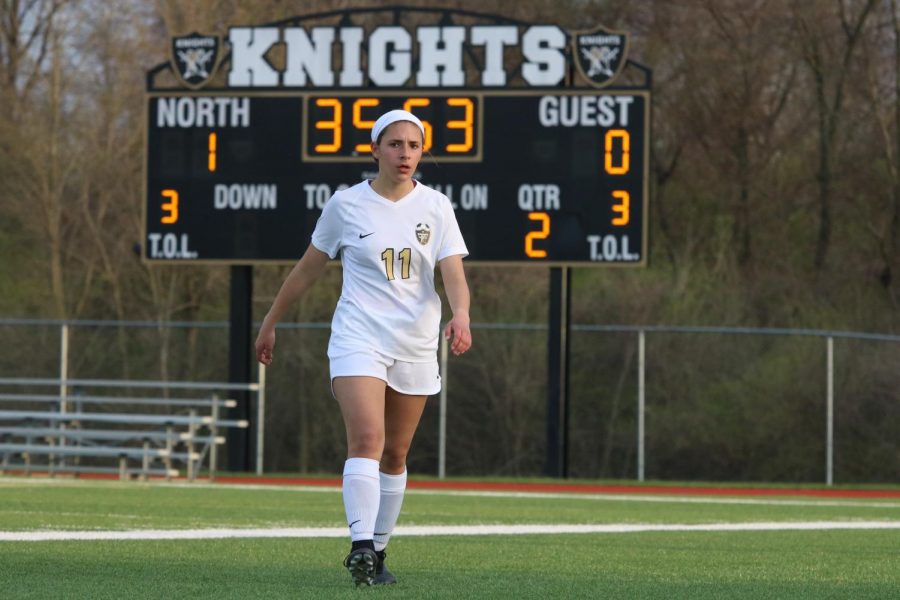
405, 256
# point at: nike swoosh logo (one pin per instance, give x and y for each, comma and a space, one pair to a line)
354, 523
361, 236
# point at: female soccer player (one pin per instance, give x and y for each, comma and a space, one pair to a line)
390, 232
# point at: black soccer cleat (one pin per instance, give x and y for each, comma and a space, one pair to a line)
382, 575
361, 565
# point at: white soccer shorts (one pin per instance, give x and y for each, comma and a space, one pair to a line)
412, 378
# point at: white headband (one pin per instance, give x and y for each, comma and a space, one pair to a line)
393, 116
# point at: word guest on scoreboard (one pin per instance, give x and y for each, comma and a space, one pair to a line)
537, 174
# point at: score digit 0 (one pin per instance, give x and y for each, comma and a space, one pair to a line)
625, 158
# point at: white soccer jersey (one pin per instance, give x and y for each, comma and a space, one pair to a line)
389, 251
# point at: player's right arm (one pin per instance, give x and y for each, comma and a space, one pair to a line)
304, 274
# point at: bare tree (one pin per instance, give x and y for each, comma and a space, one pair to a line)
753, 94
881, 91
46, 168
26, 29
828, 54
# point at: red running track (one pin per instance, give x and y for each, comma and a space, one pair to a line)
571, 488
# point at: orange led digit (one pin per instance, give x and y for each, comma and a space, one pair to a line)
466, 124
171, 206
408, 106
625, 162
358, 120
335, 125
544, 233
211, 160
623, 208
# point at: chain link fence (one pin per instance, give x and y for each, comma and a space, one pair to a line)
646, 403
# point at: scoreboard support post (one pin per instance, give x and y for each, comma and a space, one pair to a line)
239, 366
558, 372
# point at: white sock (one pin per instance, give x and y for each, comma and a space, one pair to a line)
392, 488
361, 496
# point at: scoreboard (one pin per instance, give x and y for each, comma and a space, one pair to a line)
536, 176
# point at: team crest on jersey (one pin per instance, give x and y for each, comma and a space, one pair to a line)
600, 55
423, 233
195, 58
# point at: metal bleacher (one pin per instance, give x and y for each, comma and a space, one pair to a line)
126, 435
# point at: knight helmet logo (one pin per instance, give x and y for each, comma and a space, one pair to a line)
195, 58
600, 55
423, 233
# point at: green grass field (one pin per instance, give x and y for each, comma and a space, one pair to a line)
822, 563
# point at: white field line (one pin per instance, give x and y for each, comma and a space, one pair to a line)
426, 530
876, 503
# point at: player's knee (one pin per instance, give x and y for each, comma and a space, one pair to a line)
393, 459
366, 443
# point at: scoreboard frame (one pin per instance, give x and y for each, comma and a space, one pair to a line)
528, 189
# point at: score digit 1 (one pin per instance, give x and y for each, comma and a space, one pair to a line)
212, 150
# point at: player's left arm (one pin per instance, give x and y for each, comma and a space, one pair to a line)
457, 290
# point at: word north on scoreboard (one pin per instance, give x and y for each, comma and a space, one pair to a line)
535, 176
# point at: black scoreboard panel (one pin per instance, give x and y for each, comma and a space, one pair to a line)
537, 177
